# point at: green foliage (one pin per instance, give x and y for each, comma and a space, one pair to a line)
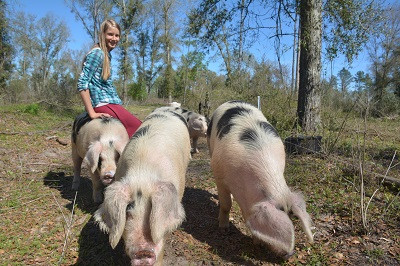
32, 109
207, 21
349, 24
168, 83
137, 91
346, 79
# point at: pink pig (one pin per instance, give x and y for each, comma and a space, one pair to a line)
248, 161
99, 143
144, 203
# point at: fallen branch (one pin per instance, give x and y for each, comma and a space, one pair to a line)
390, 180
62, 142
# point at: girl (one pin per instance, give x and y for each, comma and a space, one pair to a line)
95, 86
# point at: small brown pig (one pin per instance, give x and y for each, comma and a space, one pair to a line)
98, 142
248, 161
144, 202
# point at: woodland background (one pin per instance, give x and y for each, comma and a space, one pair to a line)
351, 185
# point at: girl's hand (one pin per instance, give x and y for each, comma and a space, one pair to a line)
99, 115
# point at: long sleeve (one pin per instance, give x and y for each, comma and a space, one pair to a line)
93, 61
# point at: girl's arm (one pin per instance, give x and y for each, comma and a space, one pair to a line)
85, 95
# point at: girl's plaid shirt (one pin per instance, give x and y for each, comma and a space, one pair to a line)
101, 91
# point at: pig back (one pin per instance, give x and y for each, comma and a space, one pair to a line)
160, 145
99, 129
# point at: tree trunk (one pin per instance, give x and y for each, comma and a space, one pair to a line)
309, 99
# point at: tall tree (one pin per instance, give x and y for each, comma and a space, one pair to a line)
349, 24
127, 10
190, 66
91, 13
385, 58
168, 40
224, 26
361, 81
345, 78
42, 47
5, 49
309, 98
148, 52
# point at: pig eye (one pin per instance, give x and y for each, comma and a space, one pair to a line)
130, 206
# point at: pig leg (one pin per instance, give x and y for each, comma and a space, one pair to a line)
77, 161
97, 188
194, 145
225, 204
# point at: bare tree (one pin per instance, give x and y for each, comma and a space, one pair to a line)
169, 42
385, 57
127, 11
6, 50
91, 13
41, 47
309, 98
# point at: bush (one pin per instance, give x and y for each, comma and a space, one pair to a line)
32, 109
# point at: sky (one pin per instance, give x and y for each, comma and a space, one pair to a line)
40, 8
80, 39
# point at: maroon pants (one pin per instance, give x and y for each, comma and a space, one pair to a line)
130, 122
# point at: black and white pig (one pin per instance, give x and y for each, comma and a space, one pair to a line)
248, 161
98, 142
197, 123
144, 202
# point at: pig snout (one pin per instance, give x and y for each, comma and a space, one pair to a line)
108, 177
144, 257
288, 255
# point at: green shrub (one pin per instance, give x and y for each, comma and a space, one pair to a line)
32, 109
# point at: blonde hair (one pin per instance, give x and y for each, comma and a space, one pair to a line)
103, 46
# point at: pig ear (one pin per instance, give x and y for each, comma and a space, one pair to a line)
299, 210
273, 227
167, 212
120, 146
92, 155
111, 214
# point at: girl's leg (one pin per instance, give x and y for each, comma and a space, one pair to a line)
130, 121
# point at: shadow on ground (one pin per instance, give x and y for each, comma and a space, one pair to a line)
63, 183
202, 223
94, 248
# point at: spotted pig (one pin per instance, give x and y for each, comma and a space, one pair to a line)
248, 162
144, 203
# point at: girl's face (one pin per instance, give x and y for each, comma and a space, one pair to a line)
112, 38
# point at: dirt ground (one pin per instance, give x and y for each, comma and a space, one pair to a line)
42, 223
